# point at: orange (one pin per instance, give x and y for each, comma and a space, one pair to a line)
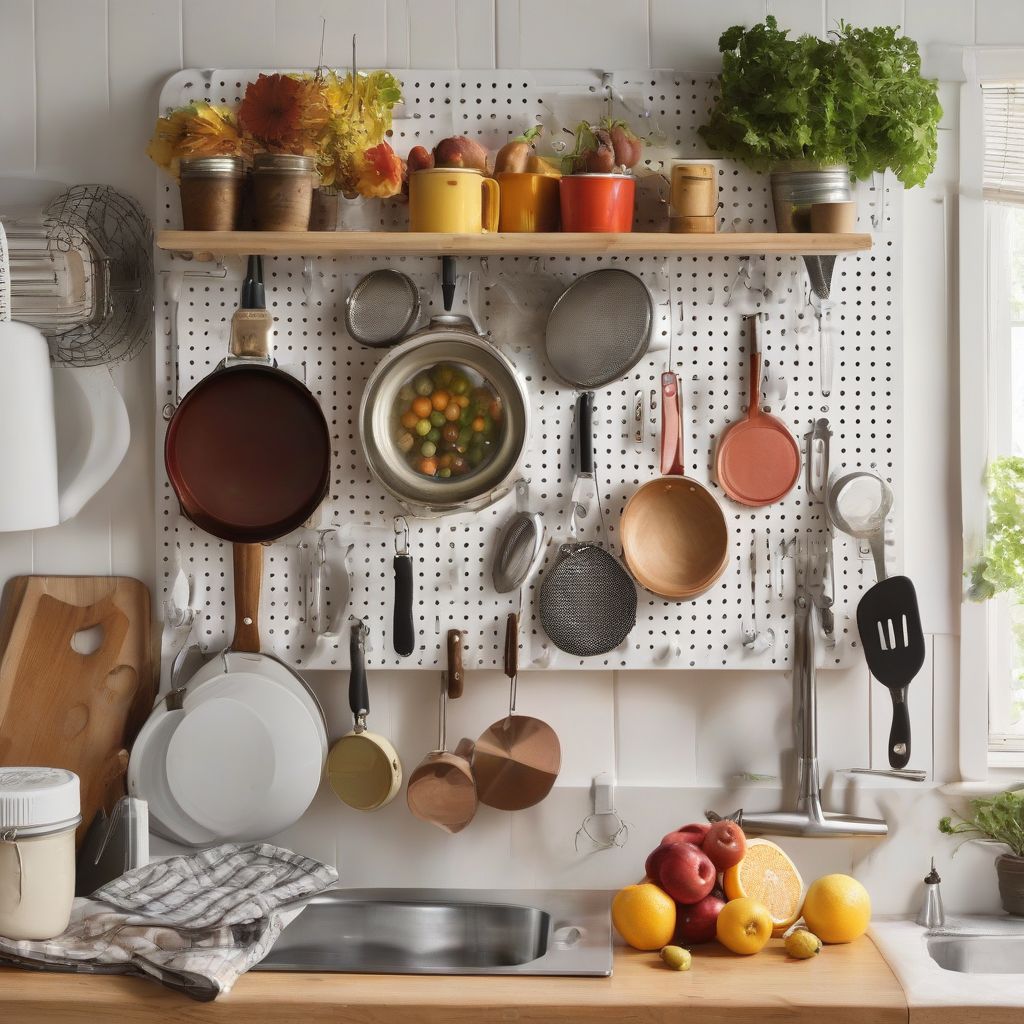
744, 926
767, 875
644, 915
837, 908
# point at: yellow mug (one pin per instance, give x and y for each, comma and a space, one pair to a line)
529, 201
452, 200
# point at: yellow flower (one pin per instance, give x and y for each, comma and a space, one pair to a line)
199, 129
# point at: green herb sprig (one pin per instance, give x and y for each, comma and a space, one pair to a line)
997, 819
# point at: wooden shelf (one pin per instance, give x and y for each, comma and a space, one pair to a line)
408, 243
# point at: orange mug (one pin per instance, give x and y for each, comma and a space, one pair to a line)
452, 200
529, 201
597, 202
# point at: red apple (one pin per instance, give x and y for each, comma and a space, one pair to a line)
652, 867
725, 844
692, 833
684, 872
696, 923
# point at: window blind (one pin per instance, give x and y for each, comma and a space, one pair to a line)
1004, 141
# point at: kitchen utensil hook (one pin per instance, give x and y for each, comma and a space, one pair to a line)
401, 535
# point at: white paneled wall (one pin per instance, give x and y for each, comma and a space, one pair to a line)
80, 80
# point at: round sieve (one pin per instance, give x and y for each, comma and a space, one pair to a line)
599, 328
382, 308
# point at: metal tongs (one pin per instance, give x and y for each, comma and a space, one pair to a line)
819, 440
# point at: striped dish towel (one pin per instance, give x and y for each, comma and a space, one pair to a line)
193, 923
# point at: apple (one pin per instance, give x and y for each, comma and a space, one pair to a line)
652, 868
684, 872
692, 833
725, 844
696, 923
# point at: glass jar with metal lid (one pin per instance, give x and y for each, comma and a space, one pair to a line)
211, 192
282, 191
39, 812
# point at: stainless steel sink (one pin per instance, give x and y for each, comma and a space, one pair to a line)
446, 931
979, 945
978, 954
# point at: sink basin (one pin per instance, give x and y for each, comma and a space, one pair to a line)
444, 931
978, 954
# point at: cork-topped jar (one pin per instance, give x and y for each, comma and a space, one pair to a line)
282, 191
211, 192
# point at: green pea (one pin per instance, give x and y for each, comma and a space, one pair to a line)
445, 473
433, 435
423, 428
459, 386
423, 385
428, 449
437, 419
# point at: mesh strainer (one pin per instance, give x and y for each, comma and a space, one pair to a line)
599, 328
587, 601
382, 308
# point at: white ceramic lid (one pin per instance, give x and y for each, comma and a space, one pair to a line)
38, 799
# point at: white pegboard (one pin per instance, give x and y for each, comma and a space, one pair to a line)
510, 296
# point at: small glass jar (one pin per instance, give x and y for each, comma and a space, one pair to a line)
39, 812
211, 192
282, 191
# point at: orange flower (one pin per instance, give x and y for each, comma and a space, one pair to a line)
276, 111
379, 172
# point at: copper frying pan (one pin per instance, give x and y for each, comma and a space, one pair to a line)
674, 538
441, 789
517, 759
758, 459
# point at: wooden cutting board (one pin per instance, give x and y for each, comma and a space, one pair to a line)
76, 678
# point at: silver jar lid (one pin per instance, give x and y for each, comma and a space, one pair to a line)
212, 167
283, 163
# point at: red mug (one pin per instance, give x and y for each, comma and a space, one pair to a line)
597, 202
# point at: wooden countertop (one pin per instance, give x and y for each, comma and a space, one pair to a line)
844, 985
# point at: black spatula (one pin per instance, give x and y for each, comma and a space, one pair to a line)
890, 631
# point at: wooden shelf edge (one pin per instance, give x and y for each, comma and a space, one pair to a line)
409, 243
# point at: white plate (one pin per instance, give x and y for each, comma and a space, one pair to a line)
147, 779
220, 766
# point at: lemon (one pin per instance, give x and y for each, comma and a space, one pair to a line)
677, 958
837, 908
767, 875
744, 926
644, 915
802, 944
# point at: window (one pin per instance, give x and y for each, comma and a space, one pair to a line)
1003, 191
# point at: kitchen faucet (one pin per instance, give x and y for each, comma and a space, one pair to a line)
808, 819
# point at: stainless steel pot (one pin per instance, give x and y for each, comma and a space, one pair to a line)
794, 191
447, 339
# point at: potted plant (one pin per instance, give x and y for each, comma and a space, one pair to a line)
818, 112
999, 819
300, 132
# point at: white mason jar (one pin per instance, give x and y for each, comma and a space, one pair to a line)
39, 811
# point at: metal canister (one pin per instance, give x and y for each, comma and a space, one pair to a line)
795, 191
211, 192
282, 191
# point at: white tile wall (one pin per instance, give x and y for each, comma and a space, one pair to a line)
80, 79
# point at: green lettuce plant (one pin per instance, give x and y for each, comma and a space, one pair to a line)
856, 98
997, 819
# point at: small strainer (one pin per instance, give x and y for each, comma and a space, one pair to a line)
520, 546
599, 328
382, 308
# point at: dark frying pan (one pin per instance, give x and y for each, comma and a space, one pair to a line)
248, 451
758, 459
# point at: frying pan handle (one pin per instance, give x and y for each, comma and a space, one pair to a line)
403, 633
358, 691
671, 426
512, 645
248, 570
754, 408
455, 673
899, 734
585, 432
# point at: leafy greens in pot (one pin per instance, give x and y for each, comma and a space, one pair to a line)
1001, 569
997, 819
857, 98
